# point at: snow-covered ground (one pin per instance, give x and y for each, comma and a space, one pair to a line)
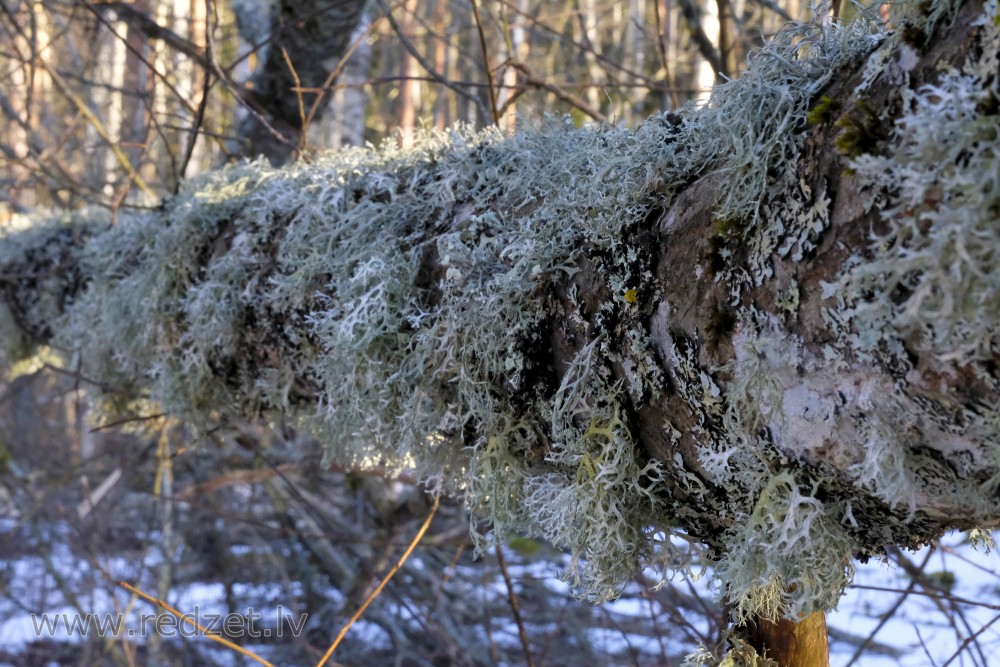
922, 630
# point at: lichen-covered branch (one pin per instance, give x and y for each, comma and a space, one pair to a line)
763, 331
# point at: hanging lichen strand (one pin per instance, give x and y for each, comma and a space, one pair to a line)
764, 330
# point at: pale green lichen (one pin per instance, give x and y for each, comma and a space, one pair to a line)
787, 551
756, 122
740, 654
16, 345
405, 290
790, 556
935, 274
981, 539
923, 298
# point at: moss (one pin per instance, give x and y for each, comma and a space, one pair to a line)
861, 130
726, 228
824, 111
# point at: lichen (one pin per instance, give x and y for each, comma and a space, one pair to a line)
934, 279
16, 345
755, 122
790, 556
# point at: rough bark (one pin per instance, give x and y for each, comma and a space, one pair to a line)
766, 328
306, 41
301, 43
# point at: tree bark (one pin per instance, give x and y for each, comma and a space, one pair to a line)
301, 42
307, 39
747, 327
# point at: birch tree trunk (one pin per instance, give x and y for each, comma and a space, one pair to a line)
409, 87
306, 40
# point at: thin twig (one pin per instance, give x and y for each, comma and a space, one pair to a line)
187, 618
776, 8
661, 49
887, 615
448, 573
486, 65
515, 606
128, 420
127, 13
950, 598
246, 97
139, 21
968, 640
331, 77
561, 94
298, 96
606, 62
385, 580
950, 611
102, 132
412, 50
968, 561
923, 645
690, 12
199, 117
519, 89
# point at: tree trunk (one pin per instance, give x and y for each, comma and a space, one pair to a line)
306, 40
300, 42
409, 86
766, 328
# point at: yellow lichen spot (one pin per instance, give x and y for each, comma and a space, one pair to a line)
587, 469
631, 296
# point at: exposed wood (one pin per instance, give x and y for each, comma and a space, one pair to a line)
793, 644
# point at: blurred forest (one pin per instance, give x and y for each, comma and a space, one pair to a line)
114, 104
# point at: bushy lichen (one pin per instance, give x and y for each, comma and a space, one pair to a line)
16, 344
774, 566
402, 293
922, 299
936, 272
740, 654
753, 125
